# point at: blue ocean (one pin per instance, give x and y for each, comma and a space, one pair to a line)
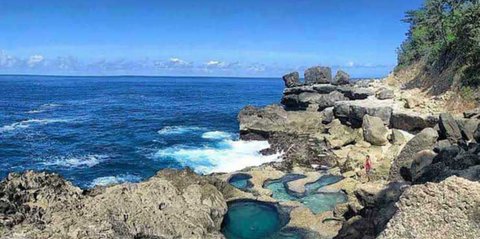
103, 130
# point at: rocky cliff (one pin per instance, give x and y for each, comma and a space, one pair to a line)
172, 204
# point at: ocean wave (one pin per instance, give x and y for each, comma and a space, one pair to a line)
175, 130
110, 180
44, 108
27, 123
84, 161
216, 135
227, 156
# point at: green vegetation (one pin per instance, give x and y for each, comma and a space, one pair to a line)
443, 32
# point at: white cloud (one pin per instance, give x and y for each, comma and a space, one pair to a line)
7, 61
35, 60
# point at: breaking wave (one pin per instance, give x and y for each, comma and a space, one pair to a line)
84, 161
175, 130
226, 156
27, 123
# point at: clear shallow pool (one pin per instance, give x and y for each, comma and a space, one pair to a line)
317, 202
249, 219
241, 181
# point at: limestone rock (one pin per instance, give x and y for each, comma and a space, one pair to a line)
448, 209
353, 112
291, 79
467, 128
328, 115
385, 94
318, 75
463, 161
397, 137
421, 160
449, 128
341, 78
340, 135
424, 140
172, 204
374, 131
354, 93
412, 121
474, 113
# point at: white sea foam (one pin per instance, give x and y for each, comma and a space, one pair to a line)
174, 130
43, 108
109, 180
228, 156
27, 123
83, 161
216, 135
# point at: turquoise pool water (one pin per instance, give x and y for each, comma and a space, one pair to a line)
252, 220
315, 201
241, 181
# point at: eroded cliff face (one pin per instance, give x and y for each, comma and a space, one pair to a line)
172, 204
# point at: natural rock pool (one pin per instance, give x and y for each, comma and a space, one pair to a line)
250, 219
241, 181
316, 201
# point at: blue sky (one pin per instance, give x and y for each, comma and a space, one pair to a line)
208, 37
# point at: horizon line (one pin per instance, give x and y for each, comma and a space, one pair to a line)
168, 76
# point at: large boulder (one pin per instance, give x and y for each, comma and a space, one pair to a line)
424, 140
353, 112
374, 130
385, 94
397, 137
340, 135
341, 78
172, 204
421, 160
467, 128
259, 123
412, 122
303, 100
318, 75
449, 128
291, 79
448, 209
462, 161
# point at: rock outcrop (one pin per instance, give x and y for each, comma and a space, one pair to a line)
449, 209
172, 204
449, 128
374, 131
424, 140
341, 78
291, 79
318, 75
352, 112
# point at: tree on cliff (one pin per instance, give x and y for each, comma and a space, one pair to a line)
443, 31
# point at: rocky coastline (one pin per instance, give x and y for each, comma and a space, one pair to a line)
426, 168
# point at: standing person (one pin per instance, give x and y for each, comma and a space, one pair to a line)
368, 166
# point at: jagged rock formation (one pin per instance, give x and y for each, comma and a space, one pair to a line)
172, 204
449, 209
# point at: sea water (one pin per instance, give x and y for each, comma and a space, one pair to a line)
104, 130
